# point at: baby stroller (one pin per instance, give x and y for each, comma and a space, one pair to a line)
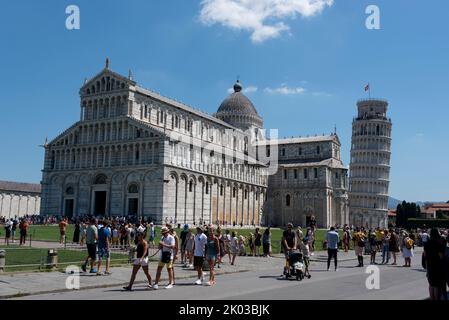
295, 267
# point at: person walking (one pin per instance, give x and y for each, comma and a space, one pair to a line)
62, 230
199, 251
266, 242
257, 242
212, 252
140, 261
76, 232
394, 245
234, 247
288, 244
227, 240
433, 258
23, 226
167, 247
346, 239
359, 243
182, 237
303, 246
8, 227
104, 248
175, 250
152, 232
332, 239
221, 242
13, 229
373, 246
91, 243
386, 247
190, 244
407, 249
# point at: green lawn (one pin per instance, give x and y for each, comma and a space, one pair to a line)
33, 259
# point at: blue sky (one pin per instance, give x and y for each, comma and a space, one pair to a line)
308, 75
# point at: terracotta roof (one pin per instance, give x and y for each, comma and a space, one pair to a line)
20, 187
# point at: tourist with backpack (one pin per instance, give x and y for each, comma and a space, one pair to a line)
407, 249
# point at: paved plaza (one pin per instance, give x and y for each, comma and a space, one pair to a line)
251, 278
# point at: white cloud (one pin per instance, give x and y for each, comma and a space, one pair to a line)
249, 89
284, 90
263, 18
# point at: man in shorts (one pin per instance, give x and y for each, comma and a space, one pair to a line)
288, 243
167, 246
200, 242
91, 243
62, 230
104, 244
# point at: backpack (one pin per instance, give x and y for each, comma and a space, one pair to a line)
409, 244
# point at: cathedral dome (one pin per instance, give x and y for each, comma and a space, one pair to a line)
239, 111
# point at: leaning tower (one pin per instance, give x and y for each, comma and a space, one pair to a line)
370, 165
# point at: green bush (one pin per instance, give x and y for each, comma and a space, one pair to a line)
430, 223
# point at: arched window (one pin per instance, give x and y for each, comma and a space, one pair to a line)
233, 192
287, 200
133, 188
100, 179
207, 187
190, 186
221, 190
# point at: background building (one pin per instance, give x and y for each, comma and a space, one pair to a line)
19, 199
369, 171
311, 181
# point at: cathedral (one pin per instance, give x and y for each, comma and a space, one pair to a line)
134, 152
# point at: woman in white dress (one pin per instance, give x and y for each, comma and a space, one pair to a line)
407, 250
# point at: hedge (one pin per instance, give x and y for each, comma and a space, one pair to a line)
430, 223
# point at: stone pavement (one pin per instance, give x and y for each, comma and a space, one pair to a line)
21, 284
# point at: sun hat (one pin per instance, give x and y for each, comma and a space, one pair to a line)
164, 230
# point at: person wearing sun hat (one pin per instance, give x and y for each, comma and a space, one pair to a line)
167, 246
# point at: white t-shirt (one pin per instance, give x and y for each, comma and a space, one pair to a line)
424, 237
200, 243
170, 241
234, 243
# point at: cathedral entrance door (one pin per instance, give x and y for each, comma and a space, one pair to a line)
68, 208
100, 203
133, 206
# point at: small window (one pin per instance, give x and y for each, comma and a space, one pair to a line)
315, 172
306, 174
133, 188
190, 186
221, 190
300, 151
285, 174
318, 150
283, 152
296, 173
137, 155
207, 187
336, 175
69, 191
287, 200
246, 194
233, 192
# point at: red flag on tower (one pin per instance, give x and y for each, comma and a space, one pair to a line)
367, 87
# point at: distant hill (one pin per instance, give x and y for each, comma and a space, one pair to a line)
393, 203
